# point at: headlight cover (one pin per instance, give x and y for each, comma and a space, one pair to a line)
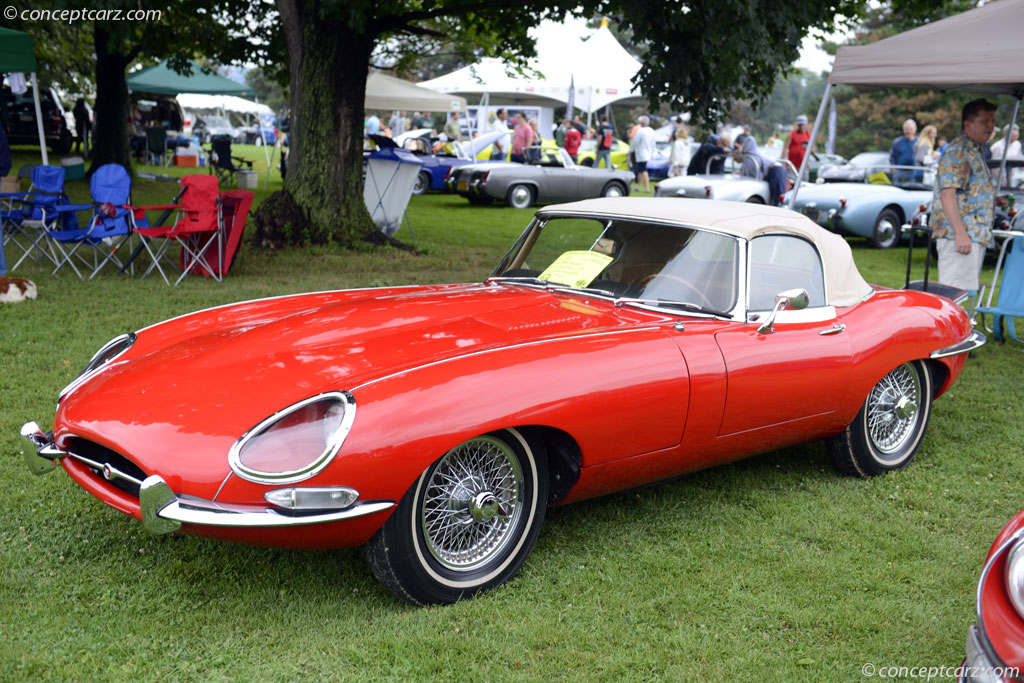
1015, 576
111, 350
295, 443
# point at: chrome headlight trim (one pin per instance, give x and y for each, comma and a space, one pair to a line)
107, 353
316, 465
1015, 576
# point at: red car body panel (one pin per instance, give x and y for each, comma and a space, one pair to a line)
1002, 625
431, 367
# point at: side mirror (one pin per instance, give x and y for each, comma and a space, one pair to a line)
793, 299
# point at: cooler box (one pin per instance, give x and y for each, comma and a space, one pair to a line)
247, 180
183, 160
9, 183
74, 168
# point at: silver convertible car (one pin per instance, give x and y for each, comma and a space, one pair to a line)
550, 176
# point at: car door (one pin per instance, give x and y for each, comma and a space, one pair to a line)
559, 183
784, 384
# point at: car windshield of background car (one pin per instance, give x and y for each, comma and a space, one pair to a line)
648, 261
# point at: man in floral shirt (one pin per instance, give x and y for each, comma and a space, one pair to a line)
963, 201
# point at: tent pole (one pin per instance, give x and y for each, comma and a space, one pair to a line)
810, 145
259, 132
1006, 146
39, 119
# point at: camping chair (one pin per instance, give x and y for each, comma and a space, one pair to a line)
11, 214
919, 224
156, 147
1010, 304
39, 213
107, 229
235, 205
221, 161
198, 216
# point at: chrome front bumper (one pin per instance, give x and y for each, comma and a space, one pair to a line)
164, 511
975, 340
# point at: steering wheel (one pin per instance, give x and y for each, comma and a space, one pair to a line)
704, 301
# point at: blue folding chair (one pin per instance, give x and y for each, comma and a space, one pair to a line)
40, 212
1009, 277
108, 227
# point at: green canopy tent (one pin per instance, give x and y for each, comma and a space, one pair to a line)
162, 80
17, 55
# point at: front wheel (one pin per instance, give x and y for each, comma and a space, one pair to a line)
754, 199
890, 426
468, 522
614, 190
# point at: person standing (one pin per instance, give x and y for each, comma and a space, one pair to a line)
963, 202
572, 139
642, 147
560, 132
453, 129
372, 124
522, 138
902, 152
605, 142
1010, 143
796, 144
397, 124
81, 113
679, 157
500, 147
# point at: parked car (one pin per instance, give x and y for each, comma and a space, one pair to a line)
162, 110
856, 169
587, 154
728, 186
621, 341
876, 212
994, 644
21, 120
550, 176
208, 126
437, 165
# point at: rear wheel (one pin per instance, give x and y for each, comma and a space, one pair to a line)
468, 522
422, 183
754, 199
520, 197
890, 425
886, 232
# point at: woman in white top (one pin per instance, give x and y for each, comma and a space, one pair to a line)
679, 157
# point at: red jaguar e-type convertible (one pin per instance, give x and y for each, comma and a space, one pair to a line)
620, 341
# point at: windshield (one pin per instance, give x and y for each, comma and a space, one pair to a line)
870, 159
628, 259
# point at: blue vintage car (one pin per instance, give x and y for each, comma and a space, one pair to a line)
436, 165
874, 211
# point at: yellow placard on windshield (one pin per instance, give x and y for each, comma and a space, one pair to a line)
576, 268
879, 178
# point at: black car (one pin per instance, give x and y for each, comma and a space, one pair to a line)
21, 120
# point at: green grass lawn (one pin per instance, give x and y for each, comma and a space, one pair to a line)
774, 568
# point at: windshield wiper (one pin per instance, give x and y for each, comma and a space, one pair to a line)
685, 305
521, 281
582, 290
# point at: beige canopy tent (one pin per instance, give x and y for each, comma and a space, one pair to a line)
390, 93
977, 51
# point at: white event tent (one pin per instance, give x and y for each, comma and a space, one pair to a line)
223, 103
598, 68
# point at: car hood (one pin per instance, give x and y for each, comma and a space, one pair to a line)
849, 191
208, 377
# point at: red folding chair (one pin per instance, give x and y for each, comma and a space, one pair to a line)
198, 227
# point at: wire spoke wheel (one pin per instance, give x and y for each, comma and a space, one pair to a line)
892, 409
473, 501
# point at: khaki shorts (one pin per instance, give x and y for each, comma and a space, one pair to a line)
959, 270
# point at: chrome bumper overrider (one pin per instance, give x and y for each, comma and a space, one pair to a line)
163, 511
972, 342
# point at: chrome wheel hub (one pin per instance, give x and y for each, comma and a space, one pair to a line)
892, 409
520, 196
886, 230
472, 503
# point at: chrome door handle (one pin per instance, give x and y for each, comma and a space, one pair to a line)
835, 329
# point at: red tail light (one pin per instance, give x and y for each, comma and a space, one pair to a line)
448, 173
842, 202
486, 176
707, 190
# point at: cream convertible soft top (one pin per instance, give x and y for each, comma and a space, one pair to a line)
844, 285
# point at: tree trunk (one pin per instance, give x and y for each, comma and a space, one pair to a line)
110, 143
322, 200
